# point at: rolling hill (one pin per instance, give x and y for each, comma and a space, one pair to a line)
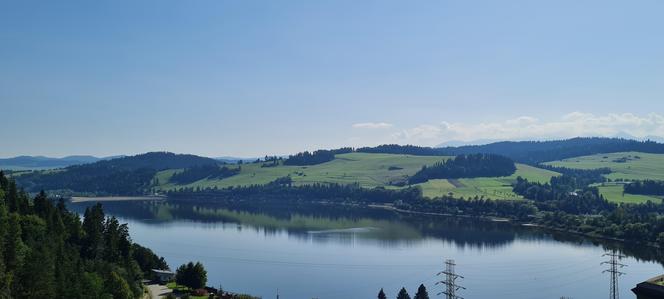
369, 170
625, 166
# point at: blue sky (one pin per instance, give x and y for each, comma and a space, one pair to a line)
248, 78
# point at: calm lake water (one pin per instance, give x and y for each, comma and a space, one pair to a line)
331, 252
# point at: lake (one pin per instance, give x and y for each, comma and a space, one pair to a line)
336, 252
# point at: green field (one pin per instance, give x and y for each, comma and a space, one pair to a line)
632, 165
494, 188
614, 192
370, 170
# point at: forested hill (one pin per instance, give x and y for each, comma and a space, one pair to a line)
48, 253
530, 152
122, 176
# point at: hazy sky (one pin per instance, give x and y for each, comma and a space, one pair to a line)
249, 78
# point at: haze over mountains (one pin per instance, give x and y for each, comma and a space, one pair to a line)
508, 148
41, 162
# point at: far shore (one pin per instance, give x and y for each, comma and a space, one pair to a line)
114, 198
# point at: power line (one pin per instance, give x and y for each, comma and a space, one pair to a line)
450, 281
614, 265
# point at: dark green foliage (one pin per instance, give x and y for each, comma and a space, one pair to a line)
47, 252
281, 191
402, 150
647, 187
191, 275
582, 177
122, 176
307, 158
561, 194
147, 259
533, 152
196, 173
403, 294
421, 293
530, 152
466, 166
381, 294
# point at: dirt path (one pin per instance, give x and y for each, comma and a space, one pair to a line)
157, 291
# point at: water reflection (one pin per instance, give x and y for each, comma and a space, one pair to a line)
347, 225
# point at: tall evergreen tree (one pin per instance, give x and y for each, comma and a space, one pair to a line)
381, 294
421, 293
403, 294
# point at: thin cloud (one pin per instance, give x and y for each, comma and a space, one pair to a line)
570, 125
372, 125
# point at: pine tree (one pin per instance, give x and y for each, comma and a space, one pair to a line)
403, 294
422, 293
381, 294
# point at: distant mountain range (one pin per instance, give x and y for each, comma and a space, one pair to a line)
41, 162
621, 135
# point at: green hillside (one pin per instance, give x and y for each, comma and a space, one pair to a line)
495, 188
624, 165
614, 192
369, 170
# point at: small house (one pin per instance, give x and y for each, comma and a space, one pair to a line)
163, 275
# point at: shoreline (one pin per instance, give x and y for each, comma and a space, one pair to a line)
79, 199
507, 220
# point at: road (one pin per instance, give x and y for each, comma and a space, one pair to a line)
157, 291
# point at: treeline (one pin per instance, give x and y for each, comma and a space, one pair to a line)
561, 194
316, 157
122, 176
563, 203
403, 294
47, 252
646, 187
197, 173
402, 150
466, 166
282, 191
534, 152
582, 177
529, 152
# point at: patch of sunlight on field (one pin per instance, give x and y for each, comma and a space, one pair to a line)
625, 165
614, 193
494, 188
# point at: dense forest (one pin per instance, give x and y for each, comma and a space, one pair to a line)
533, 152
123, 176
316, 157
196, 173
646, 187
529, 152
466, 166
582, 177
47, 252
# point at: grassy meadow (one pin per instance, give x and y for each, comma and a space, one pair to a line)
625, 165
614, 192
491, 187
370, 170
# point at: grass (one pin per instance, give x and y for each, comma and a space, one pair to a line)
371, 170
489, 187
637, 166
176, 287
614, 192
